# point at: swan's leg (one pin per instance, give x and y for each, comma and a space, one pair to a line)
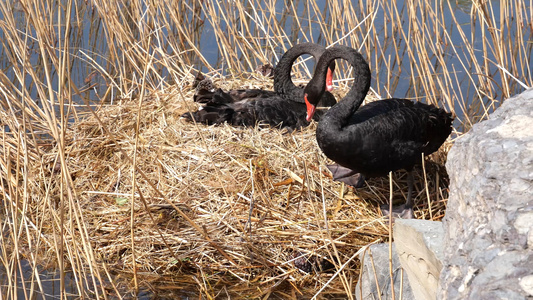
346, 175
404, 211
407, 212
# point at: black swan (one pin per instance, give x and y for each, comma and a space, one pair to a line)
283, 85
379, 137
283, 107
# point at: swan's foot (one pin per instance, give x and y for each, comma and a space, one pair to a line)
400, 212
346, 175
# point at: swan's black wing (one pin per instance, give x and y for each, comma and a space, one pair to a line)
210, 114
274, 111
219, 97
248, 94
392, 134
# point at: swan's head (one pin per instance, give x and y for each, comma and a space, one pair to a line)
312, 95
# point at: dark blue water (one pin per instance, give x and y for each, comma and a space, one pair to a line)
27, 287
91, 57
406, 85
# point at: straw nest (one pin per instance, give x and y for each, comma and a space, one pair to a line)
242, 208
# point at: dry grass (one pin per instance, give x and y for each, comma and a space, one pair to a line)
128, 197
214, 206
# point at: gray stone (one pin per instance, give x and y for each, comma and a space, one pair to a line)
420, 249
377, 258
527, 284
489, 219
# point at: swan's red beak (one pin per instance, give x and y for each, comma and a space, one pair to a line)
329, 80
310, 109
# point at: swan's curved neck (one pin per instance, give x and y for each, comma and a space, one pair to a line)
340, 113
283, 84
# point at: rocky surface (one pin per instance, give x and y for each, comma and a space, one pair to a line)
377, 258
420, 249
484, 247
489, 219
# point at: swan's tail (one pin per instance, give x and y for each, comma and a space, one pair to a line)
210, 114
217, 108
213, 97
203, 96
439, 127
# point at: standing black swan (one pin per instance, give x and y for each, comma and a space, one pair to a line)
382, 136
283, 107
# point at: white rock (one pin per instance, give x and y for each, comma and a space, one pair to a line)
526, 283
419, 246
489, 217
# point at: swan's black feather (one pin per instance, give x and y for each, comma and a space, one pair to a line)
274, 111
379, 137
284, 107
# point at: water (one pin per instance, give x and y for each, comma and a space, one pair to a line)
400, 78
91, 56
28, 288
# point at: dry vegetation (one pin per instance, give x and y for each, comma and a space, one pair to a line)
128, 196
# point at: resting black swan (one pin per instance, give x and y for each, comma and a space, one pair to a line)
379, 137
283, 107
283, 85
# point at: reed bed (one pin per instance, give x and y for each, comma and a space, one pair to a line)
127, 197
